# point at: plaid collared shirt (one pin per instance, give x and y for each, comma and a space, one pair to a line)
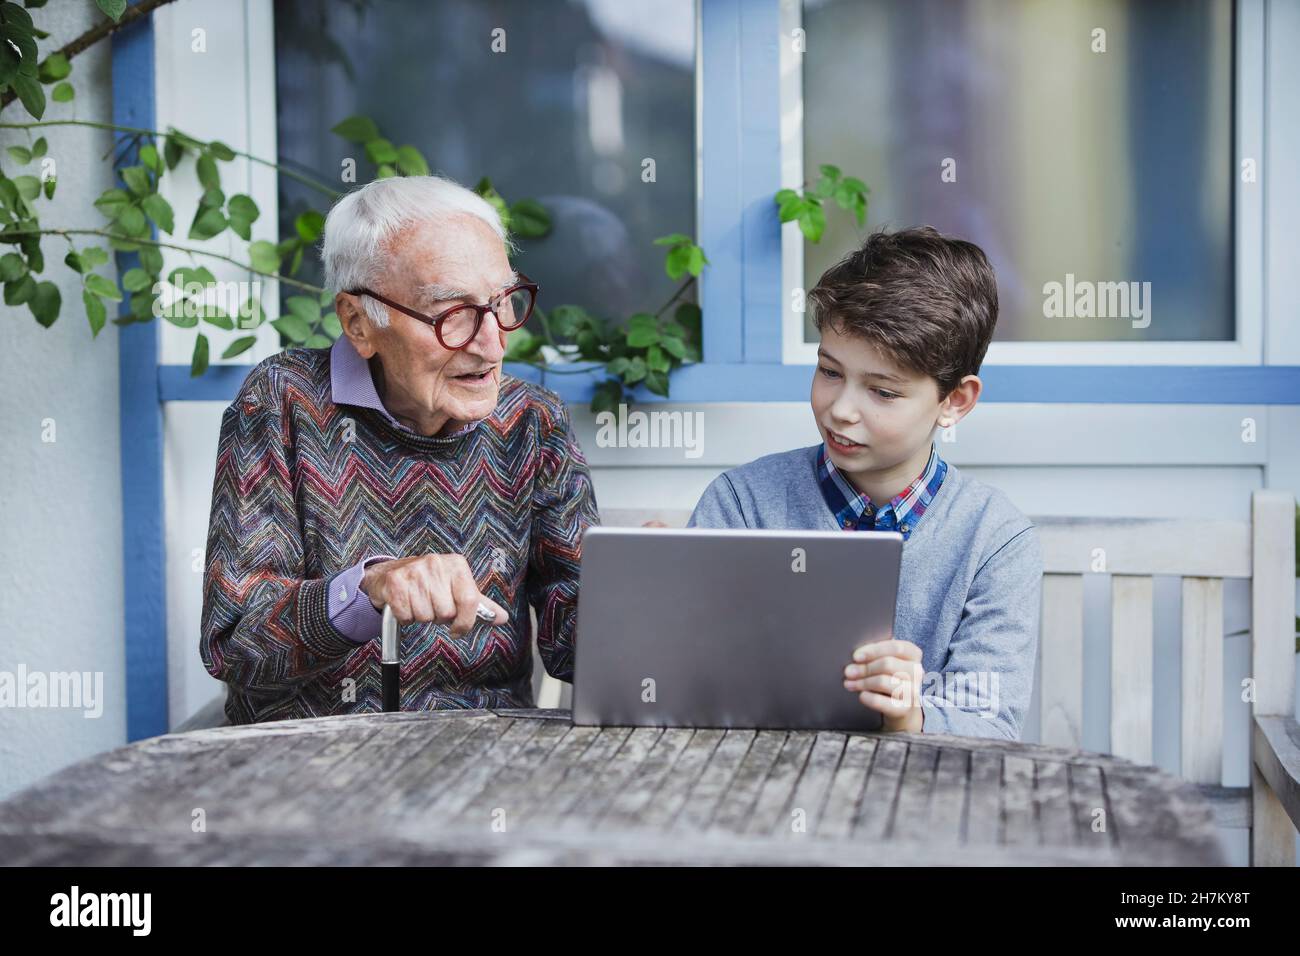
855, 511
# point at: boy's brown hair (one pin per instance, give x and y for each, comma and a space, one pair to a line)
928, 301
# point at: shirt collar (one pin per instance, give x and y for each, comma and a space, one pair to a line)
352, 384
855, 511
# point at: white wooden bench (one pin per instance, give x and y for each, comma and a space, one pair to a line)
1203, 553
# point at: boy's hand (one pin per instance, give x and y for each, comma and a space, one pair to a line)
887, 677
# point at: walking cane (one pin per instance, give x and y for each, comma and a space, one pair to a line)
390, 660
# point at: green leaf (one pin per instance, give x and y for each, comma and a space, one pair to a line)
95, 311
92, 256
173, 151
19, 290
239, 346
657, 382
54, 67
357, 129
206, 168
309, 225
656, 360
113, 9
149, 157
105, 288
812, 222
31, 95
183, 276
304, 307
675, 239
529, 219
135, 280
29, 187
673, 346
689, 316
642, 330
381, 151
21, 154
45, 303
293, 327
39, 147
199, 363
221, 151
63, 93
49, 188
263, 256
607, 397
678, 261
131, 219
411, 161
213, 198
112, 201
9, 64
12, 266
636, 371
214, 316
142, 306
385, 171
151, 259
319, 342
159, 210
242, 207
332, 326
522, 345
830, 172
208, 223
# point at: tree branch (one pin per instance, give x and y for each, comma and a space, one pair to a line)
95, 34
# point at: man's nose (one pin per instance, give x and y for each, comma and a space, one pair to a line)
490, 342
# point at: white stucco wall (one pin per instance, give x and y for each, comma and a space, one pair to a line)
61, 501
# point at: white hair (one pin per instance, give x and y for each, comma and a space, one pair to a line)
360, 223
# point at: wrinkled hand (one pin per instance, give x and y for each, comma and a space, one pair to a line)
429, 587
887, 676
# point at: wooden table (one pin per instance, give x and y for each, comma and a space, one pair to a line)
527, 787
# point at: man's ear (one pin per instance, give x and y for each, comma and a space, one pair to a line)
356, 324
960, 400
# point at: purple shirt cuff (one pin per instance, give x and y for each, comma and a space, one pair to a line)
350, 610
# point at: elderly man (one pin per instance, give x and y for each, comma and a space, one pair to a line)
399, 467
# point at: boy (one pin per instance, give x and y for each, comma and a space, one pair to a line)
905, 321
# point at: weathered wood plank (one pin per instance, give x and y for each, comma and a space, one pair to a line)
610, 778
581, 773
1089, 810
1132, 667
872, 819
771, 814
671, 796
984, 813
1019, 824
912, 813
735, 809
1202, 680
628, 806
1061, 649
702, 801
948, 801
847, 788
1052, 803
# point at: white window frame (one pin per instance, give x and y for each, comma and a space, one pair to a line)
1248, 227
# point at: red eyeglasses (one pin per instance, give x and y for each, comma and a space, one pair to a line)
457, 326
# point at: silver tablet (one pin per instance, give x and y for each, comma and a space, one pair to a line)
729, 628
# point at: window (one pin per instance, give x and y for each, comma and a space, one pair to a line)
567, 123
1087, 147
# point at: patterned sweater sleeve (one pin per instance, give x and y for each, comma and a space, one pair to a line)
564, 506
265, 626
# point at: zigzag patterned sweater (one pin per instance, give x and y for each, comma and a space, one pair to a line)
305, 488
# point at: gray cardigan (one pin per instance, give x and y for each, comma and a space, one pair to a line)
969, 586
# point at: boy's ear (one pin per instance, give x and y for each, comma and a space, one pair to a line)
960, 400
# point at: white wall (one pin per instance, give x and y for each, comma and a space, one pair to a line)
61, 502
